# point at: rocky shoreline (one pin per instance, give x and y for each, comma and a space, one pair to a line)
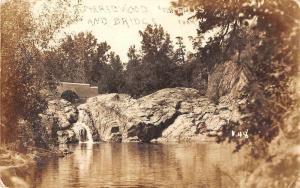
172, 114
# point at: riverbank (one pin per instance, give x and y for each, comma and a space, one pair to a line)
17, 169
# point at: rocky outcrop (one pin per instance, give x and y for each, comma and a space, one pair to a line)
62, 112
61, 119
175, 114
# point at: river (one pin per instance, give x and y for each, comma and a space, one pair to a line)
143, 165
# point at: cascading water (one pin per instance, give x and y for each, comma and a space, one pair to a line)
81, 128
83, 132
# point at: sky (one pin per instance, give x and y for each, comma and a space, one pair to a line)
119, 21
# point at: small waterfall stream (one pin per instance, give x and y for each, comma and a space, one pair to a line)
85, 133
81, 127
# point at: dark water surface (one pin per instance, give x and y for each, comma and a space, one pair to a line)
143, 165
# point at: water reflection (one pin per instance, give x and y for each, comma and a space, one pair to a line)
137, 165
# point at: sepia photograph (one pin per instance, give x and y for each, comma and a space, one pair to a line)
150, 94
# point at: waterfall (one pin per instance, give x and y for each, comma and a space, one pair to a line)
82, 127
89, 136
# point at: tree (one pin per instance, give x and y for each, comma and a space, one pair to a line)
133, 73
99, 62
112, 79
79, 58
157, 64
53, 67
77, 54
180, 53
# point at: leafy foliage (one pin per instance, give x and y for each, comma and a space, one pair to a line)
112, 78
78, 58
155, 66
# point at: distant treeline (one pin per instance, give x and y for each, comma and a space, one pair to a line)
158, 64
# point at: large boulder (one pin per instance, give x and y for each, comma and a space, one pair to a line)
62, 112
171, 114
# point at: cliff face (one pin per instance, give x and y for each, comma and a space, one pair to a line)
228, 81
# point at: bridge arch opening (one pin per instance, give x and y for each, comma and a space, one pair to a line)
70, 96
